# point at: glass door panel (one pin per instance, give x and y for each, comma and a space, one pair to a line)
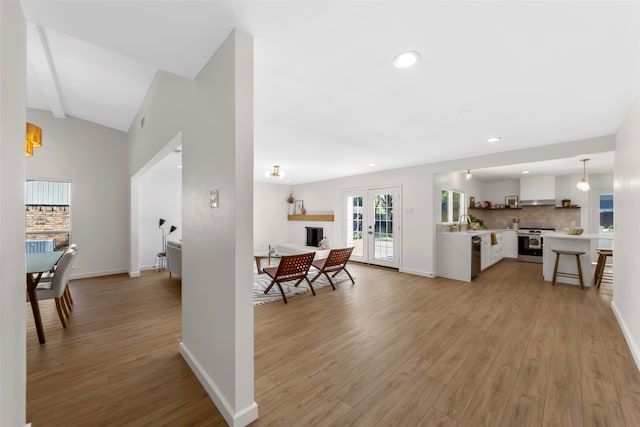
354, 225
371, 227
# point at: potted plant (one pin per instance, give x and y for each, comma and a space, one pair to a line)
475, 222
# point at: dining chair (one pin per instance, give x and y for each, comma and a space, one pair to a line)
55, 288
334, 263
67, 299
291, 267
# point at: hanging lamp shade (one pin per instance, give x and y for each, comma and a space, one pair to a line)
583, 184
34, 135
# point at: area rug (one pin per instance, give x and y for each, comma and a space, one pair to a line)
261, 282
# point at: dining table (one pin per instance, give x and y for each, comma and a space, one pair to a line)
37, 264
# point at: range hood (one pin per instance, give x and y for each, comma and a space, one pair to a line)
543, 202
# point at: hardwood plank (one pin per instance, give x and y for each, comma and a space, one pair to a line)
489, 402
533, 377
523, 410
436, 419
563, 403
600, 403
630, 403
362, 355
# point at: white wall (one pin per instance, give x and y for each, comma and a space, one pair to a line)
496, 191
420, 204
270, 210
213, 115
159, 196
13, 71
626, 193
93, 158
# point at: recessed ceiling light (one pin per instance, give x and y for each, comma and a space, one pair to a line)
525, 172
494, 139
406, 59
371, 165
180, 166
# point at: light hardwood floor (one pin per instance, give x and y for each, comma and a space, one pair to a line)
395, 349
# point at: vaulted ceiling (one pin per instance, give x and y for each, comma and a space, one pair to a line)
328, 101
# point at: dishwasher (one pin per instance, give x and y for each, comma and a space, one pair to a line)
476, 247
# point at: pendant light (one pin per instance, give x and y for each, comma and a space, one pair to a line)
276, 173
468, 175
583, 184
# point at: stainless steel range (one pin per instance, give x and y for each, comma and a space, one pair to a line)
530, 242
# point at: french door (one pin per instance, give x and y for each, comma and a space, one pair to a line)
371, 226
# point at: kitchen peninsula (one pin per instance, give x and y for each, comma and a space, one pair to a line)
566, 242
459, 259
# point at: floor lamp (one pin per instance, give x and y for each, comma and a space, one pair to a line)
163, 252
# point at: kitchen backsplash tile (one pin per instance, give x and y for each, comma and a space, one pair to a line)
529, 216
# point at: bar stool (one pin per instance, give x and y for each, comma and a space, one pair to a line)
600, 265
556, 273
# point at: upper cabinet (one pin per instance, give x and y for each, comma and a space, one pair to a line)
538, 188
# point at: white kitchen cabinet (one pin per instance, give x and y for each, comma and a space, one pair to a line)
497, 250
510, 243
538, 188
486, 257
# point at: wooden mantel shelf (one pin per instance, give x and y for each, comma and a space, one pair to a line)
321, 217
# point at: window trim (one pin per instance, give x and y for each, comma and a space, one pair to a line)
463, 206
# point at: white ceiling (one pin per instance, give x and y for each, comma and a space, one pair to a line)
598, 163
327, 100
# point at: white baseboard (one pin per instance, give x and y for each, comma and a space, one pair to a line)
99, 273
633, 346
417, 272
240, 418
134, 273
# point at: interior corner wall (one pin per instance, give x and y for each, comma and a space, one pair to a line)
214, 113
270, 210
93, 158
13, 72
626, 193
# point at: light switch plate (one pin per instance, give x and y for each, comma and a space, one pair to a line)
214, 198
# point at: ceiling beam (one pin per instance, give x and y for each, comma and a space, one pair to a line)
40, 58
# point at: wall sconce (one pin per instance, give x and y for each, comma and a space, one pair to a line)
33, 139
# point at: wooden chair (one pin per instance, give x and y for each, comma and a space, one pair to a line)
334, 263
291, 267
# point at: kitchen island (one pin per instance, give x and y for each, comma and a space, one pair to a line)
567, 242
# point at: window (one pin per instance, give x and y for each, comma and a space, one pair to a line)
48, 221
452, 205
606, 213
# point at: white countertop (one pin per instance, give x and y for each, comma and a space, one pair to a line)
474, 232
583, 236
